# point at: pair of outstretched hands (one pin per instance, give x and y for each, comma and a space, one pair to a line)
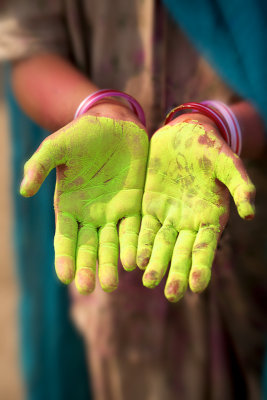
161, 204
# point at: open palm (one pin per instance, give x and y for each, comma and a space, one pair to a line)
101, 166
186, 205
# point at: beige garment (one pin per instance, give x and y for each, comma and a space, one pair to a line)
125, 45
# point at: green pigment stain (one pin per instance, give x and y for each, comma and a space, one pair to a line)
101, 165
189, 172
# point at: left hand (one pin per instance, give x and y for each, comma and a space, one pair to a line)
186, 203
101, 161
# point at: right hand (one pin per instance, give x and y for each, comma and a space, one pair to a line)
101, 162
190, 172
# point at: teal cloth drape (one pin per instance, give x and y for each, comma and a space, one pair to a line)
232, 35
52, 352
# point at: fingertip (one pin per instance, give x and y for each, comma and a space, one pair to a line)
151, 279
28, 187
175, 290
128, 267
142, 264
128, 259
246, 210
108, 287
199, 279
249, 217
244, 197
23, 191
108, 279
85, 281
143, 258
173, 298
65, 269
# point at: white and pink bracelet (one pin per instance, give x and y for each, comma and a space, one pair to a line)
93, 98
223, 117
231, 120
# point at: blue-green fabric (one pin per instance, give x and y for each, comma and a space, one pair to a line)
232, 35
52, 352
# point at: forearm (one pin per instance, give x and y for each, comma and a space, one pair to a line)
252, 128
49, 89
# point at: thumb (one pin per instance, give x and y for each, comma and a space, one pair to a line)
230, 170
38, 167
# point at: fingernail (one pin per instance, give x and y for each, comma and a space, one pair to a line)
175, 290
85, 281
199, 279
151, 279
65, 269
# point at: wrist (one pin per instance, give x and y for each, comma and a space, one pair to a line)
253, 130
224, 118
111, 108
194, 116
108, 98
201, 119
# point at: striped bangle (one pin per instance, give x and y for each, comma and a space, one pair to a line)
231, 120
223, 117
93, 98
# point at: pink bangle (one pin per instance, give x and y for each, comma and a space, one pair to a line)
226, 122
205, 110
93, 98
231, 120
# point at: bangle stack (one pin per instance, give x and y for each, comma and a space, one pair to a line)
217, 111
221, 115
93, 98
231, 120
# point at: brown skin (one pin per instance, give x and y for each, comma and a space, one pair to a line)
49, 90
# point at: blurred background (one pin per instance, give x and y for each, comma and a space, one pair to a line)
10, 380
